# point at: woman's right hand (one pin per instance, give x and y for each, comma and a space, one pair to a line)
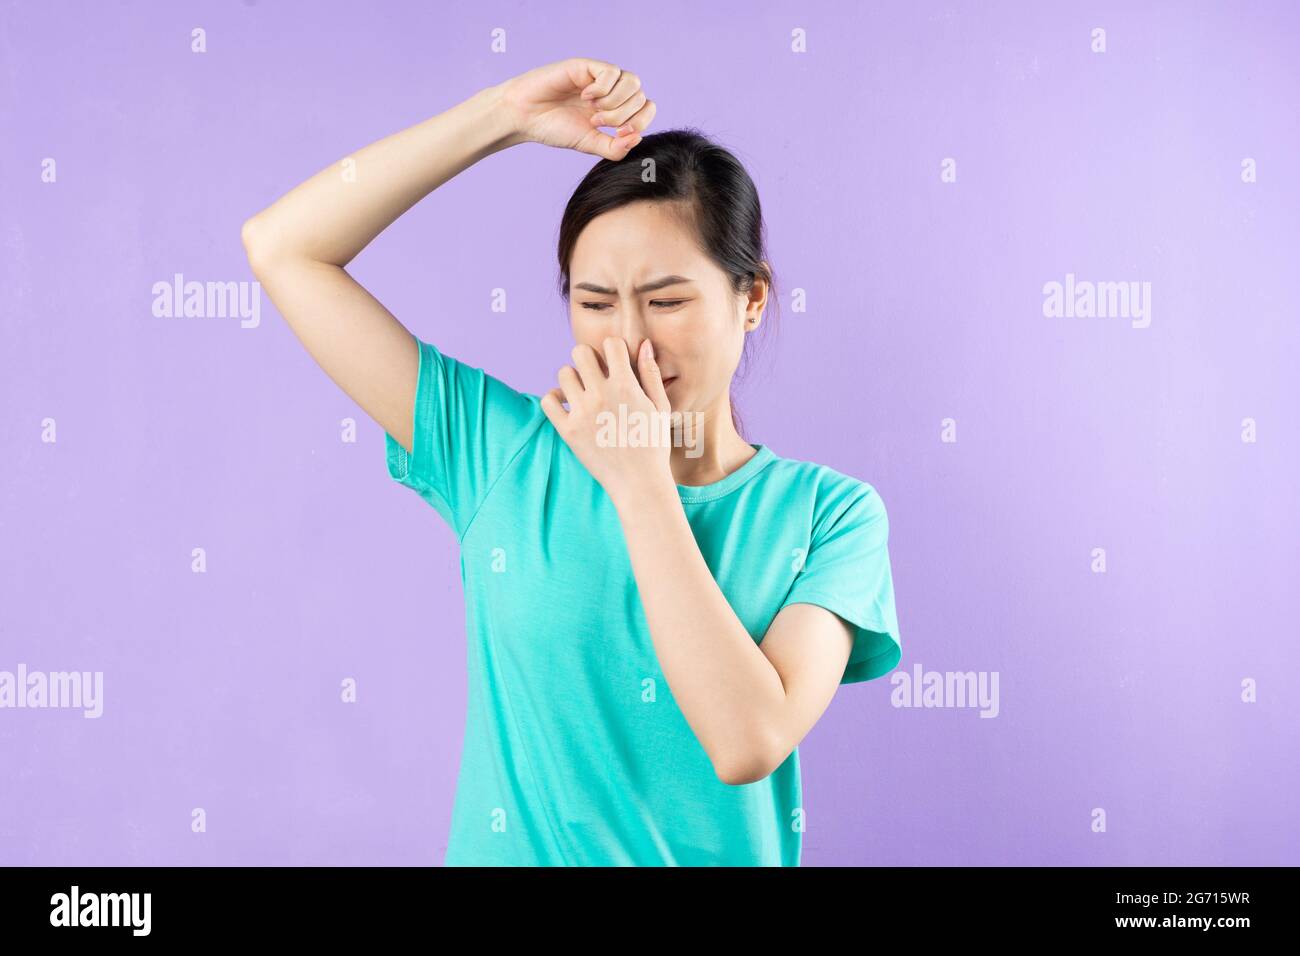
562, 104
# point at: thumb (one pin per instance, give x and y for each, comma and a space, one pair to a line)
613, 148
651, 382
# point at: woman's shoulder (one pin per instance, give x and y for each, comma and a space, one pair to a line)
830, 488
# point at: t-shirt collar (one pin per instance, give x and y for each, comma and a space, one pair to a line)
763, 456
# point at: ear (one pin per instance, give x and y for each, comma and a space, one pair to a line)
758, 296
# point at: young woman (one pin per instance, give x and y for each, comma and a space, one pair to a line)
654, 625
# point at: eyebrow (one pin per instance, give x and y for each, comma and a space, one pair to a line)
648, 287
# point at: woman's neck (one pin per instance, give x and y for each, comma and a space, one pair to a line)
709, 449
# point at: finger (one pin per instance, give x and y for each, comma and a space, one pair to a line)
617, 116
652, 382
613, 148
583, 70
551, 405
570, 384
616, 357
627, 85
638, 121
603, 77
584, 357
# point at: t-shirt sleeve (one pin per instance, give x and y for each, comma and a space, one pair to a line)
847, 572
467, 426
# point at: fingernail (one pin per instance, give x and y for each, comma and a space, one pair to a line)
649, 350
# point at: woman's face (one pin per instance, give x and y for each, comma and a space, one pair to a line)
694, 321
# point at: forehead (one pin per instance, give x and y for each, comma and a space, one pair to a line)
640, 235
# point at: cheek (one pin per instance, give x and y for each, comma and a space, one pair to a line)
725, 347
710, 349
586, 331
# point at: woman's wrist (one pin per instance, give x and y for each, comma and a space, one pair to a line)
649, 492
493, 119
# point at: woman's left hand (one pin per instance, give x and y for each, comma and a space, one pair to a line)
626, 450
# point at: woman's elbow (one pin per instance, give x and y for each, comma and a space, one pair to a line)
748, 765
257, 247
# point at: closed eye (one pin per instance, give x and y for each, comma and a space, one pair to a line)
657, 303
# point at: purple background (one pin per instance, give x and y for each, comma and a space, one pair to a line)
1119, 690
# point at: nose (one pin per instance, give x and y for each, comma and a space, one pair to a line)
634, 333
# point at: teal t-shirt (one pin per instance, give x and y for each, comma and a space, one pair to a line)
575, 752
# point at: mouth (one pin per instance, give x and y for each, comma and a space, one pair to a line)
668, 381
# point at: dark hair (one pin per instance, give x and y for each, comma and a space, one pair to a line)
717, 197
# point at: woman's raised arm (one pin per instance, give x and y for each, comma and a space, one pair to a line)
299, 245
